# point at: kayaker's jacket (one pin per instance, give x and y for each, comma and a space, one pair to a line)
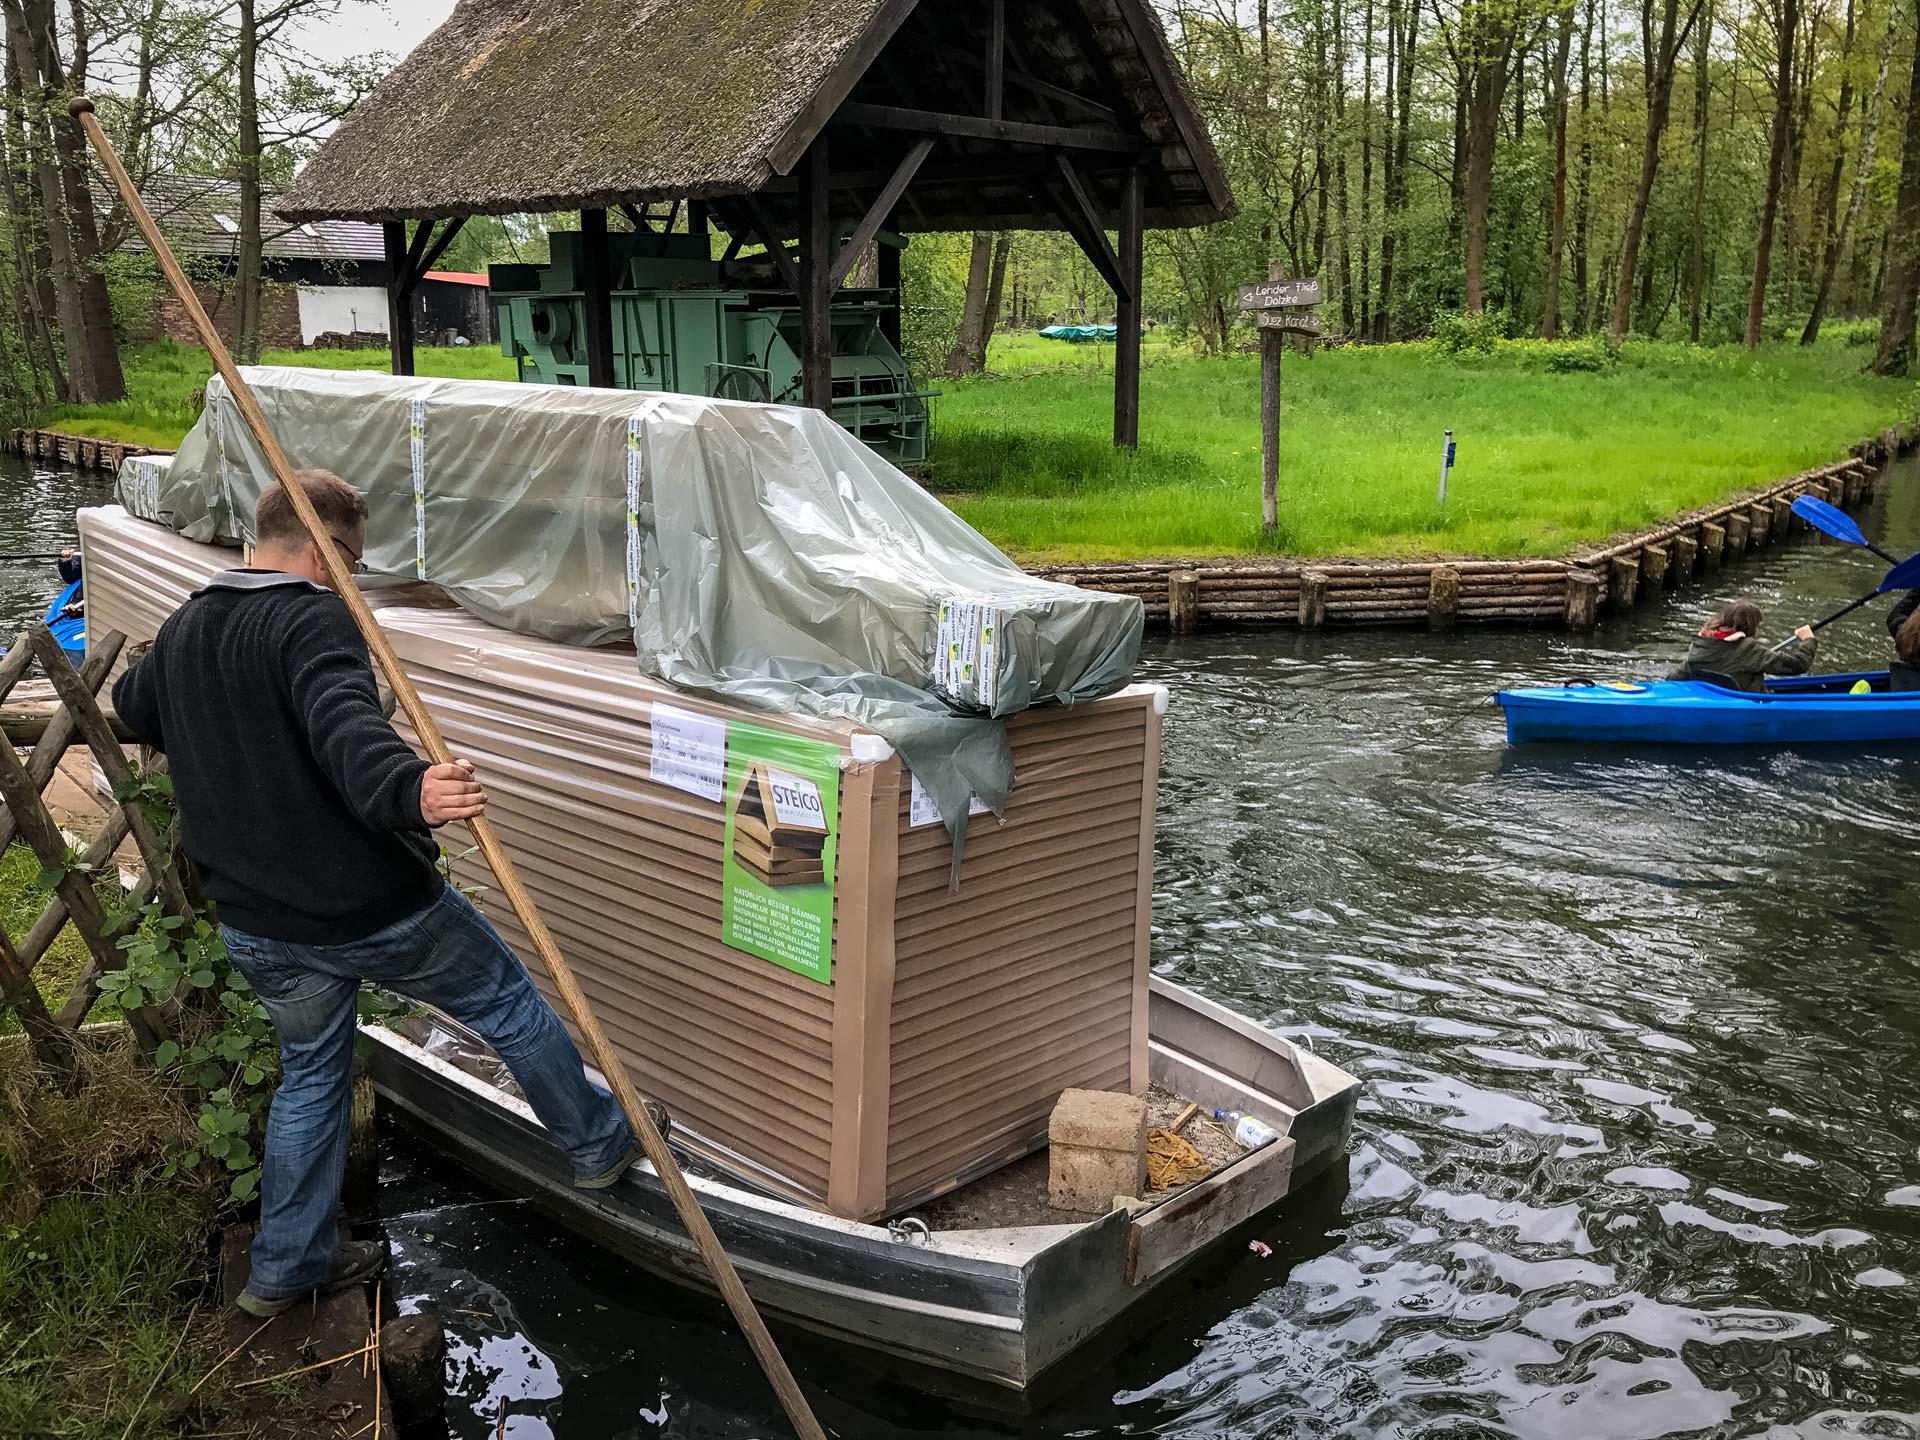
1897, 616
1743, 662
1900, 675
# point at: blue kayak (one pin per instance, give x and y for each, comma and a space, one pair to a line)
1797, 710
69, 630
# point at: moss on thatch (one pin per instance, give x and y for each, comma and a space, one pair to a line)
533, 105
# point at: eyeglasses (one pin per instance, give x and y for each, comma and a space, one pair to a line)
354, 565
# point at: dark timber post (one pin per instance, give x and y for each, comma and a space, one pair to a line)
596, 296
816, 280
890, 280
1272, 346
399, 297
1126, 360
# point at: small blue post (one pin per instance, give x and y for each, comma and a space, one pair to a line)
1446, 464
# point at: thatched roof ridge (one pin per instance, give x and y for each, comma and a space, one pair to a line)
544, 105
534, 105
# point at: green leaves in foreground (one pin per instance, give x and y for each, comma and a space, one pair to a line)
227, 1049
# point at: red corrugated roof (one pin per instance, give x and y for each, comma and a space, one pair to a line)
457, 277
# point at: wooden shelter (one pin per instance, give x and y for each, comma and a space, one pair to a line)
821, 122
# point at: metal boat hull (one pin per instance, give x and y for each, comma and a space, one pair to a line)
1001, 1306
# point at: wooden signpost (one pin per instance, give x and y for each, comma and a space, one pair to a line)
1278, 308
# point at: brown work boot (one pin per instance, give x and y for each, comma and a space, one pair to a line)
354, 1263
662, 1122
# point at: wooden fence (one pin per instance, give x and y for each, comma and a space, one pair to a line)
77, 898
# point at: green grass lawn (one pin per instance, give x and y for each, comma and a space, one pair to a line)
1547, 461
21, 901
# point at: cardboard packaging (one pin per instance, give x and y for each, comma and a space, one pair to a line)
758, 906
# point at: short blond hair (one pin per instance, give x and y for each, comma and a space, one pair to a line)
339, 505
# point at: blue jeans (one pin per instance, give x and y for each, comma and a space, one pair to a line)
446, 956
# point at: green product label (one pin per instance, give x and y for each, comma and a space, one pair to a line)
783, 812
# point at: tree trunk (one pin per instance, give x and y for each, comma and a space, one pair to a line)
1661, 65
1869, 132
1457, 184
247, 277
1902, 263
968, 343
1366, 176
1702, 93
1483, 121
1396, 192
1583, 188
106, 383
1557, 224
1343, 255
1787, 33
34, 298
996, 289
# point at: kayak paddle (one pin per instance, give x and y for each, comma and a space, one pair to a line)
1832, 520
1903, 576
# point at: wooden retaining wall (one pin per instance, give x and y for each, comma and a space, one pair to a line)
1438, 594
88, 452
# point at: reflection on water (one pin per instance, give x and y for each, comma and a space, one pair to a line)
1639, 1152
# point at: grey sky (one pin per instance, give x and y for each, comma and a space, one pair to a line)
396, 26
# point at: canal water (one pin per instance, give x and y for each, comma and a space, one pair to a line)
1639, 1148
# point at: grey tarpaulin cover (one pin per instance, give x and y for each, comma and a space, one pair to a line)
757, 552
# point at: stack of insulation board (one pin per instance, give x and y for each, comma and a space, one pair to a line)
953, 1020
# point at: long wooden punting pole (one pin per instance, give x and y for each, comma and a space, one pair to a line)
718, 1265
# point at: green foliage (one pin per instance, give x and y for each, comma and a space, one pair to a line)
1455, 332
100, 1282
226, 1051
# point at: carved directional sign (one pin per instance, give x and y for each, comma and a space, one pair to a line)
1303, 322
1274, 294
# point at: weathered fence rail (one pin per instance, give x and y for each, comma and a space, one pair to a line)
77, 899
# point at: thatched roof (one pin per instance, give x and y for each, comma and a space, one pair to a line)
538, 105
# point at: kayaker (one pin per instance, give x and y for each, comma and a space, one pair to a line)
1725, 652
1904, 673
310, 821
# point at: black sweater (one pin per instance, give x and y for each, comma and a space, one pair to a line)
298, 802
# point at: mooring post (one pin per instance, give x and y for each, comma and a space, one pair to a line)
413, 1365
1653, 568
1583, 600
1713, 543
1738, 526
1313, 599
1443, 599
1183, 601
1624, 581
1759, 526
1686, 557
1785, 522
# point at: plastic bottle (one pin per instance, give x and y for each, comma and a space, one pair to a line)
1249, 1131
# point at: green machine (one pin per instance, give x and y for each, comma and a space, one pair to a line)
685, 322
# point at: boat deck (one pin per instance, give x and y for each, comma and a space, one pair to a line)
1016, 1194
